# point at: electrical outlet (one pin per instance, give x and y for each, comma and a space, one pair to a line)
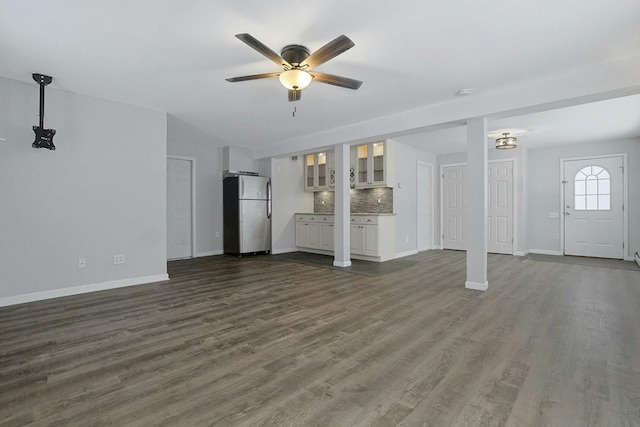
82, 262
407, 239
217, 234
118, 259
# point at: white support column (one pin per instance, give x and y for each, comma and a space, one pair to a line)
476, 199
341, 236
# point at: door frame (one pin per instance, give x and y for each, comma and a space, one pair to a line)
514, 219
193, 200
625, 197
431, 198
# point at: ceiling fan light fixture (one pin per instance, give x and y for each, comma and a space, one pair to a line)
295, 79
506, 142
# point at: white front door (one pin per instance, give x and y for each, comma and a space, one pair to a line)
500, 220
500, 207
179, 215
454, 209
593, 207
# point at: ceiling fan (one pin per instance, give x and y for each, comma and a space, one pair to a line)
297, 61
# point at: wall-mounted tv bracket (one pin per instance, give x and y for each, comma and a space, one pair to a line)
44, 137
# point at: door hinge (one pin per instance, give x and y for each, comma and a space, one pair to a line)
442, 176
564, 182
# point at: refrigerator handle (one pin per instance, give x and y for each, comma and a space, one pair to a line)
269, 199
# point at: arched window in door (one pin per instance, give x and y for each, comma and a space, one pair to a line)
592, 189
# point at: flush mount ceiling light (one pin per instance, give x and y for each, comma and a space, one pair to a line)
506, 142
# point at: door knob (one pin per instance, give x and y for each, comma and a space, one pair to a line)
567, 213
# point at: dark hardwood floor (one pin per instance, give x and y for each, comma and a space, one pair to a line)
269, 341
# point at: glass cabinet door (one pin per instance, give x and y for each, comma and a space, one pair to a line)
309, 164
362, 164
322, 169
378, 162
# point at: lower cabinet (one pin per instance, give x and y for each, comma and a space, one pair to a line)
314, 232
364, 240
372, 237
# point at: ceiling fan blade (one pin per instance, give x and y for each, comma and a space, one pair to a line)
252, 77
263, 49
329, 51
336, 80
295, 95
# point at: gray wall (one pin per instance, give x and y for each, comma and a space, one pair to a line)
544, 189
209, 166
101, 193
405, 195
289, 197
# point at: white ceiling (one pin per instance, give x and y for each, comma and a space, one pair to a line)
174, 56
597, 121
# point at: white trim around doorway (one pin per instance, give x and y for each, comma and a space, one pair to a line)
194, 253
625, 195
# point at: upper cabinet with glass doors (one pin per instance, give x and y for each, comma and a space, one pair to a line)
316, 171
375, 165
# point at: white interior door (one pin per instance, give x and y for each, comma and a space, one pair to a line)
500, 207
454, 209
424, 224
593, 207
179, 212
500, 220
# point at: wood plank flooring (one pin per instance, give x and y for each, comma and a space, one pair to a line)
268, 342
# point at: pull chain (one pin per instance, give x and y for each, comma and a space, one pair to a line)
294, 112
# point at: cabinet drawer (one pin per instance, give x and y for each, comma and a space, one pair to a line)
325, 219
364, 220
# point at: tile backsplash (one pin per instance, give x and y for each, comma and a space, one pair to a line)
362, 201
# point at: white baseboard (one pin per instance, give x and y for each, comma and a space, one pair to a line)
342, 264
544, 252
83, 289
210, 253
406, 253
284, 251
437, 247
521, 253
476, 286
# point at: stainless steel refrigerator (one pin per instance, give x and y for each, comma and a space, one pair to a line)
246, 214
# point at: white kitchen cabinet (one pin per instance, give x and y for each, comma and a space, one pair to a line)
326, 236
364, 235
316, 171
375, 164
372, 237
314, 231
302, 234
